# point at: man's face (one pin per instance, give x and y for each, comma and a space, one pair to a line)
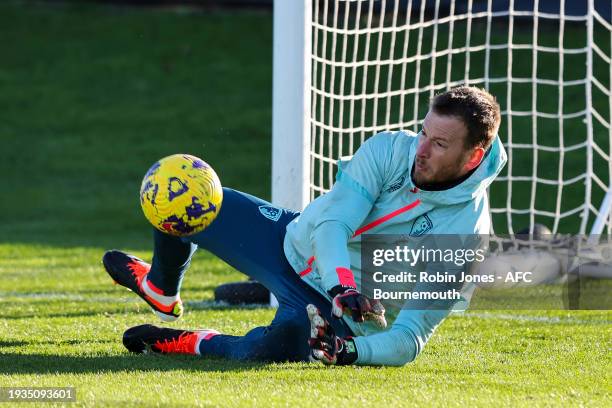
441, 155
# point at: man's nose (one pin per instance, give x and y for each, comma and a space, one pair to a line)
423, 148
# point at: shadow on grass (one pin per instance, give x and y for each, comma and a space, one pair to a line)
14, 363
13, 343
110, 312
126, 309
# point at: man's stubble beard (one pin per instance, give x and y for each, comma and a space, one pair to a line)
444, 175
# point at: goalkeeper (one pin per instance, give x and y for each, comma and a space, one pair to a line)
434, 181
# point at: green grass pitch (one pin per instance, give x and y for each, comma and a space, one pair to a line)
90, 97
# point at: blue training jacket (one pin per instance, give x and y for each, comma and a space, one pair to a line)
374, 194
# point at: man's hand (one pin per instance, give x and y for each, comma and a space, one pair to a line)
358, 306
325, 346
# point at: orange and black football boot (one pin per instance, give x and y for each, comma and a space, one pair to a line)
130, 271
147, 338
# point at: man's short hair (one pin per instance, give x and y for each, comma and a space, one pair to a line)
478, 110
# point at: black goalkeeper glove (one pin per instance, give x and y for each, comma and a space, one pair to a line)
358, 306
325, 346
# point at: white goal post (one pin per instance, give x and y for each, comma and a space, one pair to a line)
347, 69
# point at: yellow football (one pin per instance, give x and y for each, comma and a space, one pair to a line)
181, 195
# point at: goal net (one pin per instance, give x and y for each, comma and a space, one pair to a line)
374, 65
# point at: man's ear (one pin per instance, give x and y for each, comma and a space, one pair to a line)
474, 159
